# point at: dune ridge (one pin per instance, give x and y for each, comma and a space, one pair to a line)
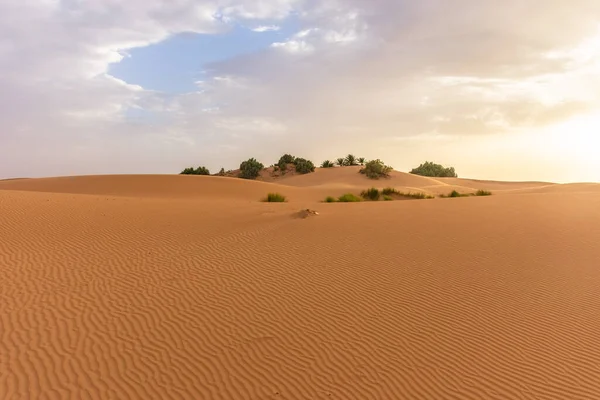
170, 287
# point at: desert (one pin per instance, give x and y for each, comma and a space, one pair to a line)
193, 287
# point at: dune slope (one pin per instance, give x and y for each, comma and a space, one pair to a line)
143, 289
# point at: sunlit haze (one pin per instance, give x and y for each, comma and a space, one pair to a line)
500, 90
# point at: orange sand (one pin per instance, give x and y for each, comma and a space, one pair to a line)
188, 287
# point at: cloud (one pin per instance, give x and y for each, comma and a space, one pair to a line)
356, 76
266, 28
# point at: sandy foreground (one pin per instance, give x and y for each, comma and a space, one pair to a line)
187, 287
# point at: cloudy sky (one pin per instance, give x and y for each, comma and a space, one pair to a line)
499, 89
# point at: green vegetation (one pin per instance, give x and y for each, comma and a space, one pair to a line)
340, 162
361, 160
197, 171
482, 192
393, 192
372, 194
387, 198
350, 160
327, 164
221, 172
304, 166
376, 169
275, 198
349, 198
454, 193
434, 170
250, 169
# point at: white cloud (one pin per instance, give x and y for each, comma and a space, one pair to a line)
266, 28
355, 77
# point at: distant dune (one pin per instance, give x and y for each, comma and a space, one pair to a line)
189, 287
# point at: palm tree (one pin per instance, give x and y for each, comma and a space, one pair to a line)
341, 162
350, 160
361, 160
327, 164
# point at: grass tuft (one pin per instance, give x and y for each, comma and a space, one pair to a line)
482, 192
330, 199
387, 198
275, 198
371, 194
454, 193
349, 198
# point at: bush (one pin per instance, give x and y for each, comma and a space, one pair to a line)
388, 198
197, 171
434, 170
340, 162
454, 193
304, 166
250, 169
327, 164
350, 160
286, 159
376, 169
275, 198
371, 194
330, 199
361, 160
389, 191
482, 192
221, 172
349, 198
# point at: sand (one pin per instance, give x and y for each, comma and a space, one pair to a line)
188, 287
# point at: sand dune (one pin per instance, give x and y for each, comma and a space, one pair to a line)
171, 287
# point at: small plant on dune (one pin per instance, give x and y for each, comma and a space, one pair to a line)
453, 194
250, 169
482, 192
387, 198
340, 162
349, 198
350, 160
330, 199
372, 194
327, 164
221, 172
197, 171
376, 169
275, 198
434, 170
361, 160
388, 191
304, 166
393, 192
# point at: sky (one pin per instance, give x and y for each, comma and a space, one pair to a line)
500, 90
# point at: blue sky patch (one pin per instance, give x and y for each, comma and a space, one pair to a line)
172, 66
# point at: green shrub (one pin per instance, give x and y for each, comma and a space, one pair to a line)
349, 198
187, 171
275, 198
340, 162
482, 192
434, 170
250, 169
387, 198
350, 160
371, 194
286, 159
361, 160
197, 171
330, 199
221, 172
454, 193
327, 164
376, 169
304, 166
389, 191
